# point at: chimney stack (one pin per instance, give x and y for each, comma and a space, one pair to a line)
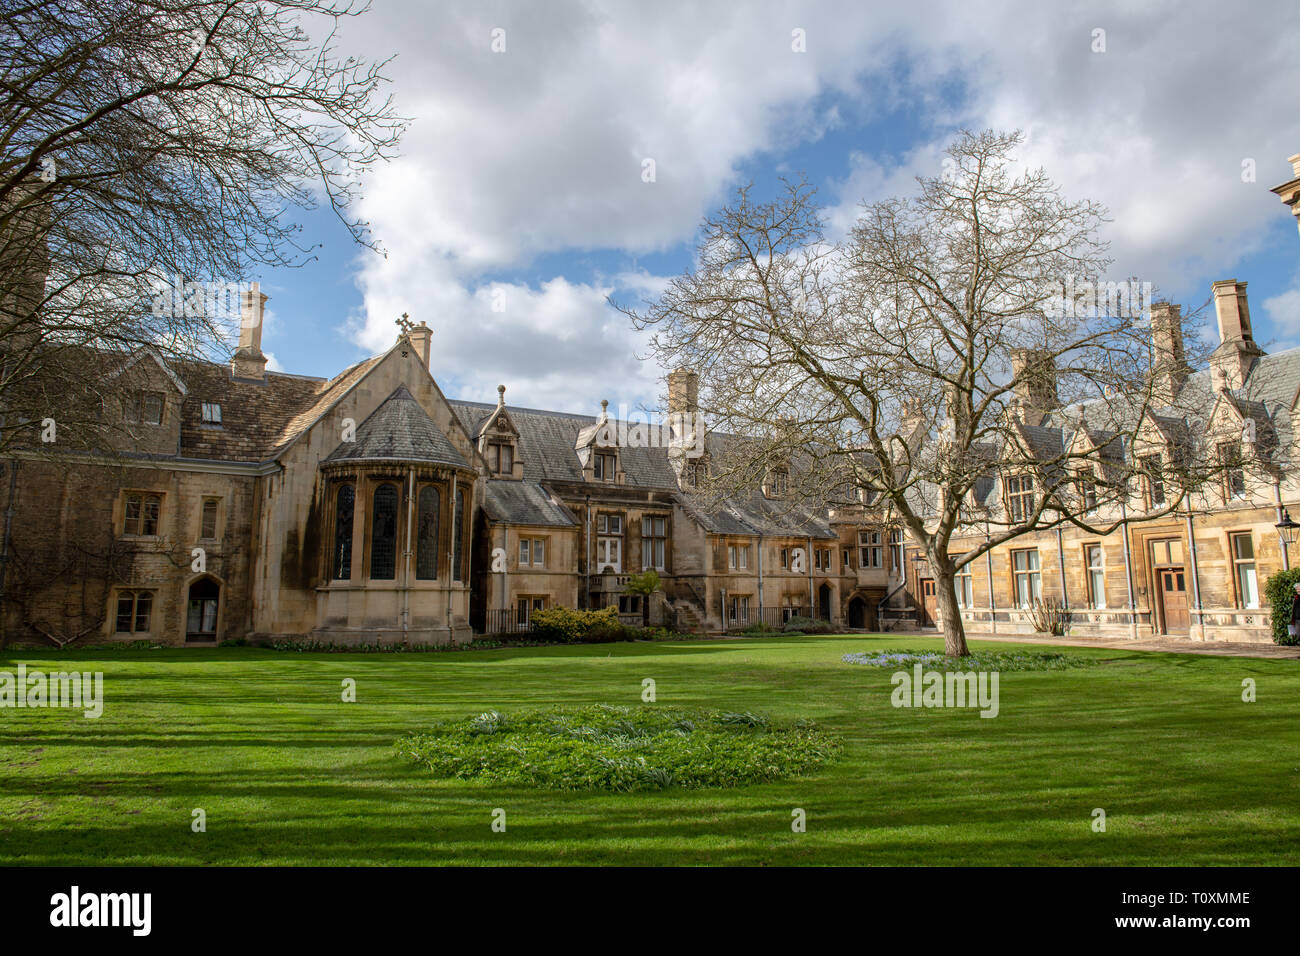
683, 392
1289, 192
1034, 373
1237, 350
1169, 368
421, 338
248, 363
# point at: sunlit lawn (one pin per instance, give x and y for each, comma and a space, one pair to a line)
288, 773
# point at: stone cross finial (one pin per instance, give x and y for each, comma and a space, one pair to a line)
404, 323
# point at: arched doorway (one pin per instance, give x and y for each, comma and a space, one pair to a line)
857, 612
824, 602
201, 610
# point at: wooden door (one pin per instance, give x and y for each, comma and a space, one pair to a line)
929, 601
1172, 584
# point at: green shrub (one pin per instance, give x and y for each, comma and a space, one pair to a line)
807, 625
619, 748
566, 625
1278, 592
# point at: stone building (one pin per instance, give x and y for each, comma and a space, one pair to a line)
248, 504
1198, 572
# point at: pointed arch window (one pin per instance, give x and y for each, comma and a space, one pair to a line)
383, 534
426, 542
344, 507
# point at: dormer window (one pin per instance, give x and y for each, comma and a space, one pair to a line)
604, 466
145, 408
501, 458
1088, 489
778, 482
1154, 478
211, 414
1020, 497
1234, 474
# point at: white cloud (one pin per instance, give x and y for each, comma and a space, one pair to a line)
538, 151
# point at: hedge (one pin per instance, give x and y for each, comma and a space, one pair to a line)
569, 626
1278, 592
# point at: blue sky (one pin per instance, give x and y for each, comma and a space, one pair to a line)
521, 172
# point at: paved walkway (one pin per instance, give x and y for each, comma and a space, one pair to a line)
1169, 645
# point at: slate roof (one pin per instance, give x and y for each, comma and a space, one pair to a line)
757, 515
257, 421
547, 445
399, 430
525, 502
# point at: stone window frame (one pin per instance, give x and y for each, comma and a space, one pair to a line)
533, 545
145, 497
1034, 575
600, 458
649, 542
496, 453
134, 595
1096, 601
1021, 494
215, 501
1238, 563
133, 410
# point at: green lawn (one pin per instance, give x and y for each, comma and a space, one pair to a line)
289, 774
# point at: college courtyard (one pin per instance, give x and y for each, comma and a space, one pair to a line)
262, 747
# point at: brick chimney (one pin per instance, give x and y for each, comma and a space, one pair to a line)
1169, 368
1232, 360
1289, 192
1034, 373
421, 338
248, 363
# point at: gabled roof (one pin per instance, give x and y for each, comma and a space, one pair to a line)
399, 430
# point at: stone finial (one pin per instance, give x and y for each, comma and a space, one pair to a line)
501, 396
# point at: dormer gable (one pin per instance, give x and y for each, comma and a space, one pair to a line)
498, 442
598, 450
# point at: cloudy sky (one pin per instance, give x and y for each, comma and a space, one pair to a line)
519, 204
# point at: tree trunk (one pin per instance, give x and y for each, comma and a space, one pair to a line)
954, 632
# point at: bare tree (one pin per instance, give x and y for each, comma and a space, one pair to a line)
151, 152
955, 364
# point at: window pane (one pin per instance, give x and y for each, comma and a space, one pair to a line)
133, 508
426, 543
149, 519
143, 605
125, 611
1243, 546
458, 546
383, 534
539, 552
523, 551
209, 522
343, 511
